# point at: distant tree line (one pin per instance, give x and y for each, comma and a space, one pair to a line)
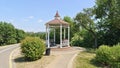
41, 35
10, 35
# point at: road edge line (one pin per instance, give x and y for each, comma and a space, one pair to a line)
10, 57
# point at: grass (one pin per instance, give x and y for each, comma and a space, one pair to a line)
85, 60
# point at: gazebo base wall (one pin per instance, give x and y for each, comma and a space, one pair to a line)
59, 46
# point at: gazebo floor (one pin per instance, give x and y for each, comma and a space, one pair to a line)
58, 46
62, 49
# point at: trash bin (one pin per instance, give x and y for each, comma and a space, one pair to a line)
47, 51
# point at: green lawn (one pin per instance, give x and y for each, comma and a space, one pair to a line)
84, 60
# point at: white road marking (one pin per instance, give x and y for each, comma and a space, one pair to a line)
10, 58
8, 48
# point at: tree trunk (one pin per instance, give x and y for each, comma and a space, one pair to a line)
96, 42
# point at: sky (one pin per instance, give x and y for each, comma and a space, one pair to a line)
31, 15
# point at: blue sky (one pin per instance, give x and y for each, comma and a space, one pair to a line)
31, 15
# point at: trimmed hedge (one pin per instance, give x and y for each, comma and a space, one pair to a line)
32, 48
108, 56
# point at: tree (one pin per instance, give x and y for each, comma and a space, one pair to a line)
108, 16
41, 35
72, 26
20, 34
108, 11
7, 33
84, 20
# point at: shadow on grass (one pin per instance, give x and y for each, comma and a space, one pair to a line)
95, 63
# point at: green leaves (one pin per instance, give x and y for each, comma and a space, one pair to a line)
9, 34
108, 10
72, 26
107, 13
108, 56
85, 21
32, 48
20, 34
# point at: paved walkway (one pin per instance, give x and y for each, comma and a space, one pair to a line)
64, 57
5, 55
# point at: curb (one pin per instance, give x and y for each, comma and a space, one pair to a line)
70, 64
10, 58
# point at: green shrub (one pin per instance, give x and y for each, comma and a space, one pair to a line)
32, 48
11, 41
102, 55
76, 40
115, 56
108, 56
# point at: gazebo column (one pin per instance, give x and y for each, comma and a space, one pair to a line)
54, 36
68, 36
61, 36
64, 33
48, 36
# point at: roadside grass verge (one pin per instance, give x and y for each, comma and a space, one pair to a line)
85, 59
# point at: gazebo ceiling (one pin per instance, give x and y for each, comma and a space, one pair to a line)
57, 21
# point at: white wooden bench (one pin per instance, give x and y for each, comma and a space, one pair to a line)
65, 42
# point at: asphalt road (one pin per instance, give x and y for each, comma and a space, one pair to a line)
5, 55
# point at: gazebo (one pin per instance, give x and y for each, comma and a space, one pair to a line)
57, 22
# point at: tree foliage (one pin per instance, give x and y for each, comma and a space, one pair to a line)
102, 23
84, 21
108, 56
32, 48
72, 26
107, 12
20, 34
9, 34
41, 35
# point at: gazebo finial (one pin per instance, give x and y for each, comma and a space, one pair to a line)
57, 16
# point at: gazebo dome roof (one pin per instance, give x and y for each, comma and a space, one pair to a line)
57, 21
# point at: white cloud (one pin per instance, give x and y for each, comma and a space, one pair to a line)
26, 20
30, 17
40, 20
